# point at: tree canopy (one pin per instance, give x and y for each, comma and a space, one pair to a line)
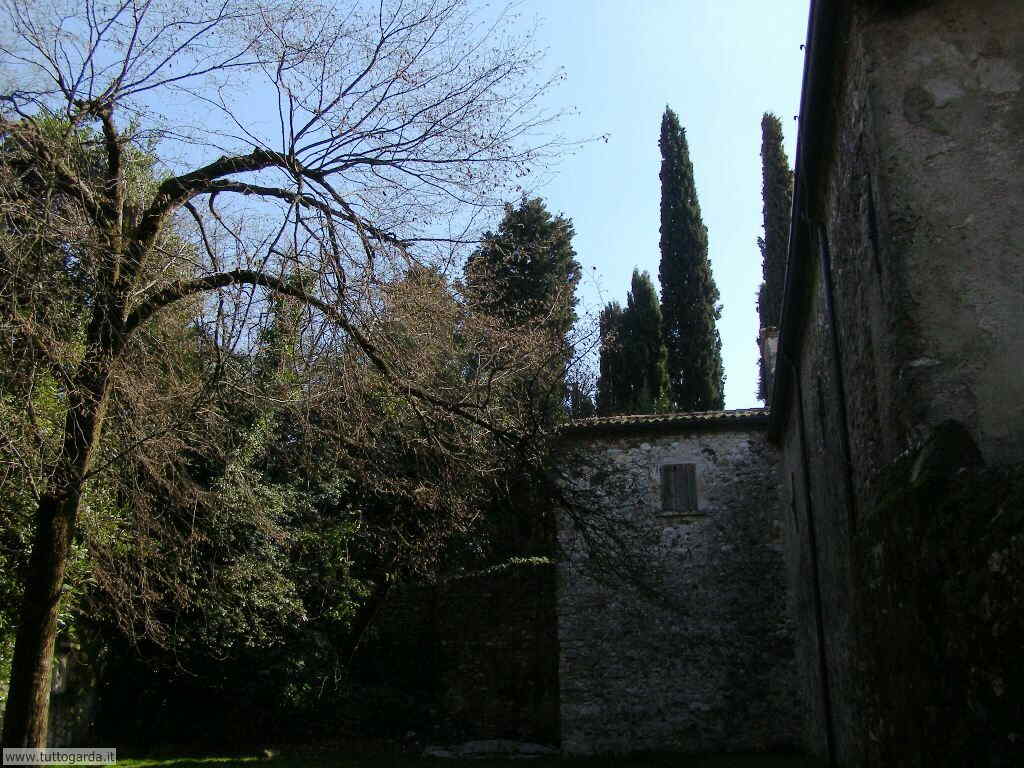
525, 275
613, 395
388, 123
527, 272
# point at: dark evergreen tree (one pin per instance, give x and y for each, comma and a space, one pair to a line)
777, 193
613, 376
525, 275
634, 376
526, 272
689, 296
645, 353
581, 404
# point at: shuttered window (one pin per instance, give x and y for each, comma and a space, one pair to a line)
679, 488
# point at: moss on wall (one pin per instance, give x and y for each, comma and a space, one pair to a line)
940, 565
472, 657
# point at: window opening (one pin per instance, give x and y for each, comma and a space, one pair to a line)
679, 488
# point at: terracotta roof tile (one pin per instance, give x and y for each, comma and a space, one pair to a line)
667, 421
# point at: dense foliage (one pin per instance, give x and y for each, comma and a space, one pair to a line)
689, 296
526, 272
613, 376
159, 444
524, 276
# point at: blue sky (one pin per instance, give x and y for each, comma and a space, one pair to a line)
720, 64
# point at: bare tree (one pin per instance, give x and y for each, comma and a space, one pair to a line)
313, 150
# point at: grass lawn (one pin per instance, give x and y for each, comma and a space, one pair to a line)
398, 760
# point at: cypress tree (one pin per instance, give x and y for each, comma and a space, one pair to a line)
613, 377
634, 376
777, 194
645, 353
689, 296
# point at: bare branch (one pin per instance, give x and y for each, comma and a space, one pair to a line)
184, 288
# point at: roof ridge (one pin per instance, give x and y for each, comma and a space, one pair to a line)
681, 418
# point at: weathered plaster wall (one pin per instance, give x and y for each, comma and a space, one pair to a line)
946, 89
688, 643
911, 306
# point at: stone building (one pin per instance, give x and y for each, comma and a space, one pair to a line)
901, 342
673, 628
897, 408
842, 572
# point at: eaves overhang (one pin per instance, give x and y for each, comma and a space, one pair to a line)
813, 145
662, 423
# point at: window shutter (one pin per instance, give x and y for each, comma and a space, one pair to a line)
679, 488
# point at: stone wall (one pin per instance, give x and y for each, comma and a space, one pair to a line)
905, 302
674, 629
942, 618
74, 698
472, 658
946, 90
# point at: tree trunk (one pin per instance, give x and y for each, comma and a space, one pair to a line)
28, 702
